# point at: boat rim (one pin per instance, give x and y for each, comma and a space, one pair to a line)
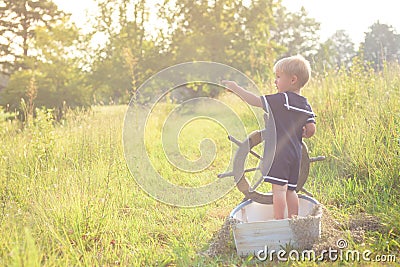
249, 201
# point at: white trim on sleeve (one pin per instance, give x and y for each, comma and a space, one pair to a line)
265, 103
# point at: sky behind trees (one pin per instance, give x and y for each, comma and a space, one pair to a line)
353, 16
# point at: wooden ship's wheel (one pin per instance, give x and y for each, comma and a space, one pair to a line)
239, 171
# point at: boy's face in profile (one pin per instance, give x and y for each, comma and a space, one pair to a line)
283, 81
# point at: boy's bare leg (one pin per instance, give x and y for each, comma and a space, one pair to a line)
279, 199
292, 203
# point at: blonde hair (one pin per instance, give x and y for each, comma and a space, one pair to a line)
295, 65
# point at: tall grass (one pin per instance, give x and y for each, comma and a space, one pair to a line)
359, 132
67, 197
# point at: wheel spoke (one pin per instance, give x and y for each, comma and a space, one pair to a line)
237, 142
256, 155
251, 170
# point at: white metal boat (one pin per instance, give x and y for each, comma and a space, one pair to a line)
255, 229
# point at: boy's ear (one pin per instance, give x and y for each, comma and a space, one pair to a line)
294, 79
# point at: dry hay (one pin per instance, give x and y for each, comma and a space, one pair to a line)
219, 244
306, 230
332, 230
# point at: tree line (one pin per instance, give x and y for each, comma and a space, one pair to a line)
47, 60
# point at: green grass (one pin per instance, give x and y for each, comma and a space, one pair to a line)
68, 199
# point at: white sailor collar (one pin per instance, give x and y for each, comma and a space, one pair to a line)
289, 107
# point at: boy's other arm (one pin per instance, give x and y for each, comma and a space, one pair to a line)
247, 96
309, 130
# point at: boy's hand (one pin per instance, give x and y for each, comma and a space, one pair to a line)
304, 131
309, 130
229, 85
249, 97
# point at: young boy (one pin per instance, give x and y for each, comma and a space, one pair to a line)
294, 119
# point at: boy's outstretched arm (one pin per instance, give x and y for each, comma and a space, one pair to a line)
247, 96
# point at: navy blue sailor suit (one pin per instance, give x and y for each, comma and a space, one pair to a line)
290, 112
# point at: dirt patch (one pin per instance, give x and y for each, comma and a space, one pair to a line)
366, 222
336, 228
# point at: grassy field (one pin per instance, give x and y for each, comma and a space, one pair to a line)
67, 197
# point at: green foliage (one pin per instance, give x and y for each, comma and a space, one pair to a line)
58, 79
335, 53
67, 198
223, 31
381, 45
249, 36
54, 87
295, 33
128, 57
19, 20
